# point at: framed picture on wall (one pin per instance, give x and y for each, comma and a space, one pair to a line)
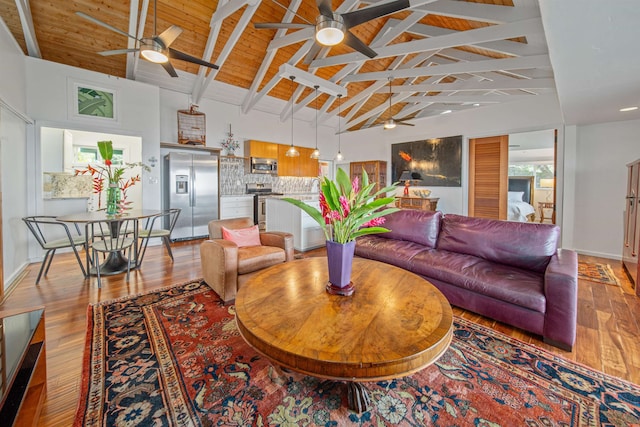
93, 102
435, 162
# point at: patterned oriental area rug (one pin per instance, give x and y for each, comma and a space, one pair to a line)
174, 358
595, 272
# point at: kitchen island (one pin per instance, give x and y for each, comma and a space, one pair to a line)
283, 216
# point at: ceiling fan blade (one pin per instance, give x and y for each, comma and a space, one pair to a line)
398, 122
175, 54
278, 25
311, 55
169, 35
360, 16
116, 52
324, 6
104, 24
169, 68
357, 44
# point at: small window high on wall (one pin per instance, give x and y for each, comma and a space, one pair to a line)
541, 171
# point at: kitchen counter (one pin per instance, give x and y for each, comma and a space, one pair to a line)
283, 216
301, 196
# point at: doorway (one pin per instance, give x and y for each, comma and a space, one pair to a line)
529, 155
533, 154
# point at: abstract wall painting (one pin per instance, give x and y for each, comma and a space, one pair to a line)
435, 162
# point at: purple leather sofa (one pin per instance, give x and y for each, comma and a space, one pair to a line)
509, 271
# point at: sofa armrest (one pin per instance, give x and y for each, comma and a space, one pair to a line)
561, 294
279, 239
219, 260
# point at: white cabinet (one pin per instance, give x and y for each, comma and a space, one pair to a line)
236, 207
283, 216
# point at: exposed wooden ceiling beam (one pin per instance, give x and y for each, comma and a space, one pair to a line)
460, 38
253, 95
460, 67
231, 43
475, 85
28, 30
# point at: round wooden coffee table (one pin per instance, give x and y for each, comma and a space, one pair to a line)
396, 323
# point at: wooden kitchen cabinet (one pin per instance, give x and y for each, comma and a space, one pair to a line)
303, 165
266, 150
376, 170
287, 166
308, 166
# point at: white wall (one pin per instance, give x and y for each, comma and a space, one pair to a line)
602, 152
12, 70
50, 99
13, 156
256, 125
542, 112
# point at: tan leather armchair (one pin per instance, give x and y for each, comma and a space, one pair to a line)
225, 266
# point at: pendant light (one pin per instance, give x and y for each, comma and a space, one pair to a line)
316, 153
339, 156
292, 152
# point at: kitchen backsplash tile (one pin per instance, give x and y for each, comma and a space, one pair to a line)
233, 180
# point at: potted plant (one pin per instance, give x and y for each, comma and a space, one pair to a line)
347, 210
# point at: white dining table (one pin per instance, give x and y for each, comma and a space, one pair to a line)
116, 262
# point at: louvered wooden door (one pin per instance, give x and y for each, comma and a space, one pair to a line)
488, 171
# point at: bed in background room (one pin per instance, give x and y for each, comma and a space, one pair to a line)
520, 199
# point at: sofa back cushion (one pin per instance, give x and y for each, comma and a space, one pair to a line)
523, 245
414, 226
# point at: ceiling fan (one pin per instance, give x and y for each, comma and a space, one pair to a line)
390, 123
155, 48
332, 28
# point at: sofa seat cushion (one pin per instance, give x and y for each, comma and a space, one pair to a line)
513, 285
395, 252
253, 258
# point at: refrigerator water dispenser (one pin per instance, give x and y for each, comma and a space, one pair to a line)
182, 184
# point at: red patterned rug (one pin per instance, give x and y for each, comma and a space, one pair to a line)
596, 272
174, 358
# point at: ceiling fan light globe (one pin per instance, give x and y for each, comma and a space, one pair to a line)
389, 124
329, 32
153, 52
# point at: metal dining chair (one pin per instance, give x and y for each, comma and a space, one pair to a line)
52, 235
160, 225
117, 238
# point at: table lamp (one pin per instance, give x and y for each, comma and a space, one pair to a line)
406, 177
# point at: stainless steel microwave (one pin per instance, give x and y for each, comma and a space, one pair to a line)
262, 165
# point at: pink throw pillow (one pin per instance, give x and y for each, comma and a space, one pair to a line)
242, 236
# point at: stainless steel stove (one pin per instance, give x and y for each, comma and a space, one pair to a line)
260, 193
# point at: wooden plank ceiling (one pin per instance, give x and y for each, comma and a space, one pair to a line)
442, 55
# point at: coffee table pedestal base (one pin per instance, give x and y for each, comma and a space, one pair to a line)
337, 290
358, 396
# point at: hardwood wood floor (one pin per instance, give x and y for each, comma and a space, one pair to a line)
608, 330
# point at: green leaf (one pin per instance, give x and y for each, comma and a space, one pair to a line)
365, 178
370, 230
106, 149
343, 181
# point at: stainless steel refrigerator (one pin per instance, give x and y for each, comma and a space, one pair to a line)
191, 184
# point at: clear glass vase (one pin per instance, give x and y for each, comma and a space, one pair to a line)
113, 198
